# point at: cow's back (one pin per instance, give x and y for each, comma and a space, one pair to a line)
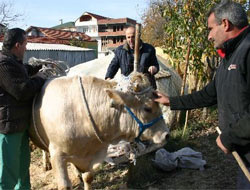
59, 114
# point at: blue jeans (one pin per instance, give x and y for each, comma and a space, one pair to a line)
14, 161
242, 181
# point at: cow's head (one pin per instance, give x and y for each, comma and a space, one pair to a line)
138, 97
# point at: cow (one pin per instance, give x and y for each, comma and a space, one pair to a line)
76, 118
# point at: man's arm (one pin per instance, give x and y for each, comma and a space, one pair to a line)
32, 69
18, 84
113, 67
154, 68
203, 98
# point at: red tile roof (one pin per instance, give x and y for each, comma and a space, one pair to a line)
47, 40
115, 21
98, 17
52, 36
55, 35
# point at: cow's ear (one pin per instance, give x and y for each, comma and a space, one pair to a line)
122, 98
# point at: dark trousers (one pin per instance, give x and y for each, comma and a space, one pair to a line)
242, 181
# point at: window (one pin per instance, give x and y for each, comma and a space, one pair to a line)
85, 29
85, 18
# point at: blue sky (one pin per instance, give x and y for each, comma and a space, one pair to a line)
47, 13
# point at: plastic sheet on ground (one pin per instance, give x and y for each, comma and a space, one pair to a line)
183, 158
124, 152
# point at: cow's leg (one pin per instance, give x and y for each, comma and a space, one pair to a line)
77, 180
46, 161
59, 166
87, 179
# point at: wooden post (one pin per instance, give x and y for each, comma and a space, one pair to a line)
184, 82
239, 160
137, 46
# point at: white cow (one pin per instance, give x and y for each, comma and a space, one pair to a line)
76, 118
167, 80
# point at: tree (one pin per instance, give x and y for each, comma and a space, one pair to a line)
7, 14
153, 23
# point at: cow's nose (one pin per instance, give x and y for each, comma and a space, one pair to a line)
167, 136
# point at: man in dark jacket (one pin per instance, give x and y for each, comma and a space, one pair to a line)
17, 90
124, 58
230, 90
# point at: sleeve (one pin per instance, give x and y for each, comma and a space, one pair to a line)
239, 133
113, 66
203, 98
153, 60
32, 69
17, 83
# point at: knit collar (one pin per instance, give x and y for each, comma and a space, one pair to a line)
126, 46
231, 44
9, 54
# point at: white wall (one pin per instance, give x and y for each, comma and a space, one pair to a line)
88, 27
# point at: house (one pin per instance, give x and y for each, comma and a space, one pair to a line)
109, 32
56, 36
55, 44
70, 54
112, 32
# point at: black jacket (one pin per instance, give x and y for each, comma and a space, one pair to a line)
17, 90
231, 92
124, 59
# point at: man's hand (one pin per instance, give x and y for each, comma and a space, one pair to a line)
221, 146
152, 70
41, 75
161, 98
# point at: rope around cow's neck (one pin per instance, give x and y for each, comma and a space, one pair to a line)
88, 110
34, 123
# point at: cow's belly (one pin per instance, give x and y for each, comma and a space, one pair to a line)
84, 156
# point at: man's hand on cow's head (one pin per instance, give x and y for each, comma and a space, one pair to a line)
161, 98
152, 70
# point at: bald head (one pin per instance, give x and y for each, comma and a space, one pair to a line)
130, 36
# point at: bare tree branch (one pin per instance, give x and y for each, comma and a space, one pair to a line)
7, 13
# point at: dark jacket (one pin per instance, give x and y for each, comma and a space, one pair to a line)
124, 59
231, 92
17, 90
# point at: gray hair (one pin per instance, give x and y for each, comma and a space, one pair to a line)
231, 11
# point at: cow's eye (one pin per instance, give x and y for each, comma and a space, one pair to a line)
148, 109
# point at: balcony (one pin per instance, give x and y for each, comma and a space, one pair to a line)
117, 33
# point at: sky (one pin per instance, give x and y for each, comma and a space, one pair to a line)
47, 13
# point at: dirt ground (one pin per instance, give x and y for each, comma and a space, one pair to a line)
219, 173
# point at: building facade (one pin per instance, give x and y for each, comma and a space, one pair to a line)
108, 32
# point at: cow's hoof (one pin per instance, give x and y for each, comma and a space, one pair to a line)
65, 188
77, 181
47, 167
